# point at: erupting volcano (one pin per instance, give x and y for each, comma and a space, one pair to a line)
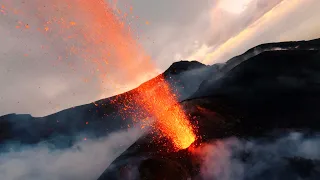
96, 32
193, 121
161, 104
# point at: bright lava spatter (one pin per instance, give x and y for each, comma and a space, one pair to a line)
170, 117
161, 103
95, 32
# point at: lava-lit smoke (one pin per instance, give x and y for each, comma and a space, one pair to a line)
96, 32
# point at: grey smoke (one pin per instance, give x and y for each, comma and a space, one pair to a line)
265, 159
86, 160
191, 80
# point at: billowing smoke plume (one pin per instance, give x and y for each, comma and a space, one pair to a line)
233, 158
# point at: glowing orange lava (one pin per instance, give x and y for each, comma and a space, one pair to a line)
173, 123
158, 99
96, 32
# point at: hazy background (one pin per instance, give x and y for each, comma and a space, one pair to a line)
169, 30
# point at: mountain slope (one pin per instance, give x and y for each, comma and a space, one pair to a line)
92, 120
263, 97
269, 91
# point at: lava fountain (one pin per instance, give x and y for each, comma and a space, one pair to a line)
170, 118
160, 103
96, 32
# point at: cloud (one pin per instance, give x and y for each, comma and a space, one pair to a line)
174, 27
84, 161
226, 24
257, 158
287, 21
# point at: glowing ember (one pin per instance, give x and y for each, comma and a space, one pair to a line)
94, 31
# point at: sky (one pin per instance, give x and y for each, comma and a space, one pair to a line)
34, 82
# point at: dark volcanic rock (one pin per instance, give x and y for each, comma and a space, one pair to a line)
278, 89
221, 69
271, 88
183, 66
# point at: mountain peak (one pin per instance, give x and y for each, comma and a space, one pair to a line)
182, 66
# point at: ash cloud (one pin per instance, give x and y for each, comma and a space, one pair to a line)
234, 158
86, 160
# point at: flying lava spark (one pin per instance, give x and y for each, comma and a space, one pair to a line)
172, 123
170, 118
96, 32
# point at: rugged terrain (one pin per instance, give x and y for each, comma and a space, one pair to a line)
267, 92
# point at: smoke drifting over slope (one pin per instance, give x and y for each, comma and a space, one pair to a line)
225, 159
229, 159
236, 159
266, 89
91, 155
84, 161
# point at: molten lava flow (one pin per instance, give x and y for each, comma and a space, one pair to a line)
93, 31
